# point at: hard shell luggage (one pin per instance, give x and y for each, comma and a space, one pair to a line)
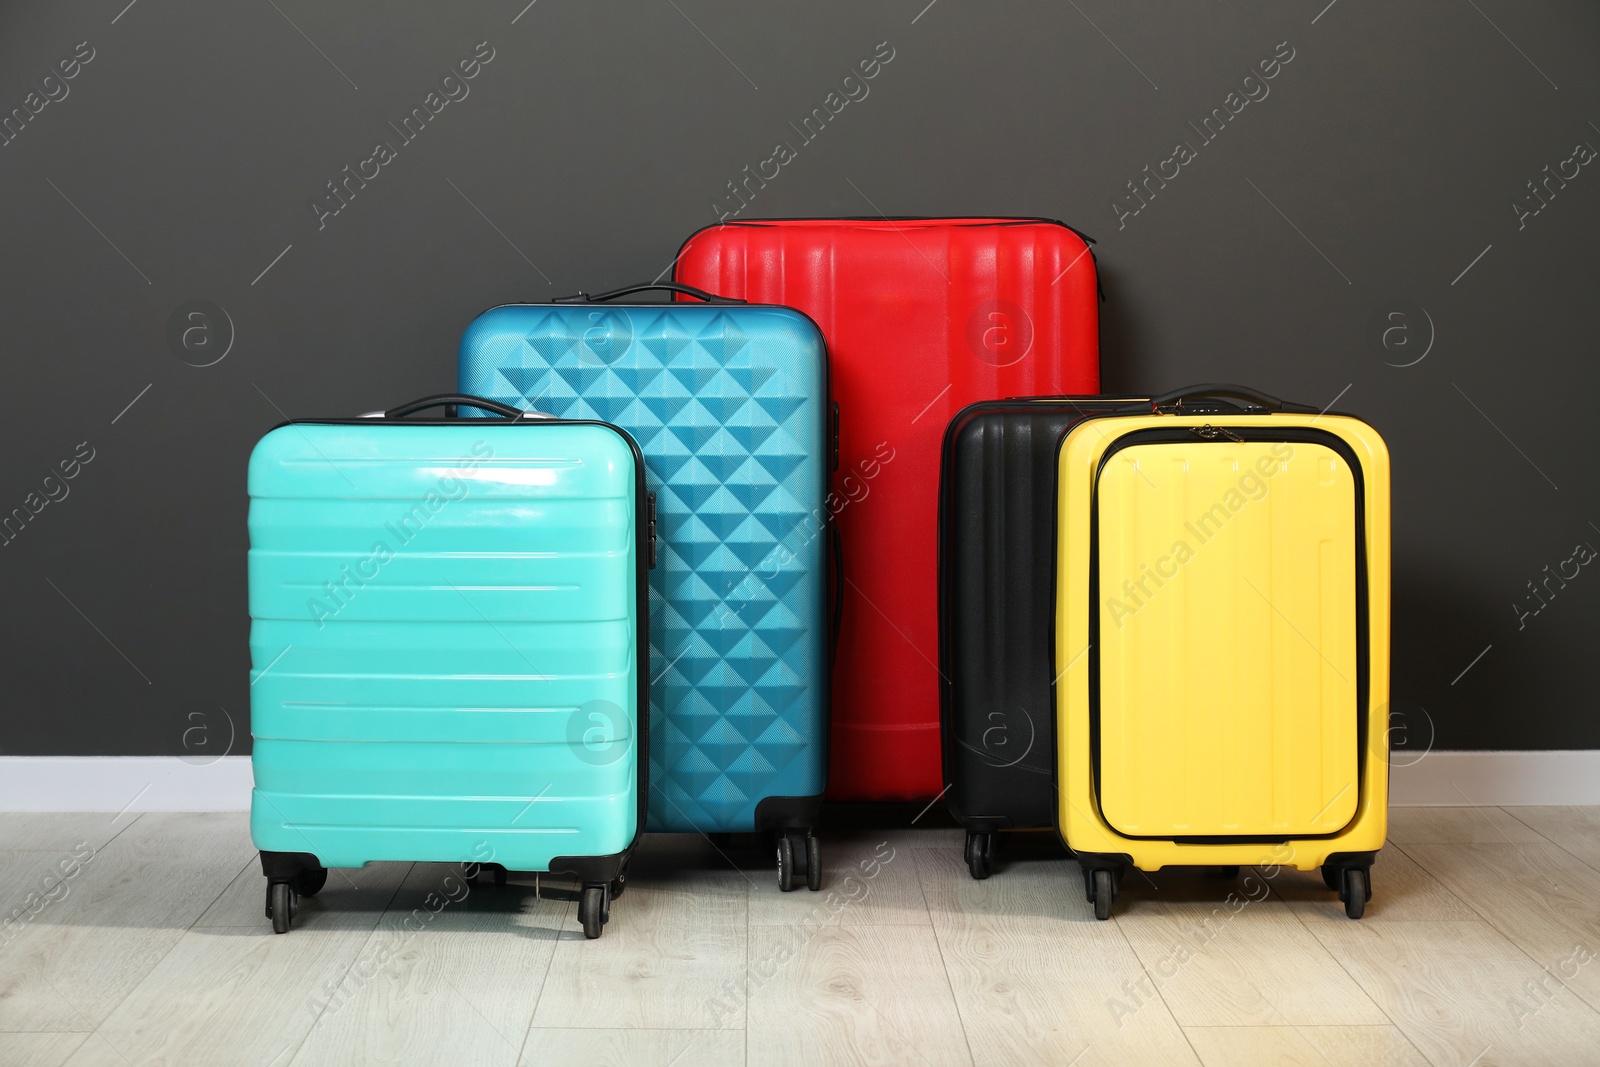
446, 619
729, 404
997, 537
922, 317
1222, 640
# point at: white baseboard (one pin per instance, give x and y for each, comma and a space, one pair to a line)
168, 783
1512, 779
124, 783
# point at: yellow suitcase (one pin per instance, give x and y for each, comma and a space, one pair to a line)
1222, 640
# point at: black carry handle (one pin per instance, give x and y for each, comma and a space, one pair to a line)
1257, 400
582, 297
452, 400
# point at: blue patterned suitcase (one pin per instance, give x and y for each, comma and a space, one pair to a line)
729, 404
446, 624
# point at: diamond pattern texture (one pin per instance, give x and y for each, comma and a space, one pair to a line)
728, 405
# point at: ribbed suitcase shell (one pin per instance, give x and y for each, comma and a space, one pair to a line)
922, 317
729, 406
444, 637
1223, 599
997, 536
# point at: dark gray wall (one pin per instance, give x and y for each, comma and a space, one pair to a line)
1384, 163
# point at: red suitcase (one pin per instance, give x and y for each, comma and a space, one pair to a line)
922, 317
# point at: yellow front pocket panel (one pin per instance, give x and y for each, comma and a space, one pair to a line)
1228, 644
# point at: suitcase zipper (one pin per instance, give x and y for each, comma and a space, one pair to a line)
650, 520
1267, 433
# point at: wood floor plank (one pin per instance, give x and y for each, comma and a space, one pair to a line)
1363, 1046
226, 996
31, 882
1575, 829
1025, 887
38, 1050
1303, 1046
38, 850
59, 831
1462, 825
672, 957
159, 939
1037, 980
850, 995
634, 1048
1459, 993
868, 882
1244, 962
125, 910
355, 898
457, 983
1401, 891
1541, 897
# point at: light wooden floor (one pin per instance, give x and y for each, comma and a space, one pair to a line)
1477, 949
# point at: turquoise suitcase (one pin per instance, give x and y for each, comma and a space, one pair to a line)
729, 404
446, 624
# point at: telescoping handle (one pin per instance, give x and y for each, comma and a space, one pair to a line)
1256, 401
453, 400
581, 297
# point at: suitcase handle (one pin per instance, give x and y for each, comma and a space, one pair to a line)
1257, 400
582, 297
454, 399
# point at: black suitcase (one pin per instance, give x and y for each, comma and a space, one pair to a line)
997, 536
